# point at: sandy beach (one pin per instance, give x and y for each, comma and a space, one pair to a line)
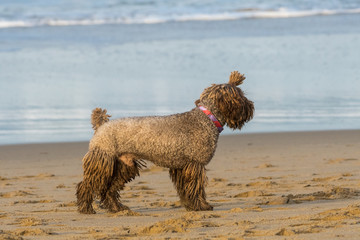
291, 173
301, 185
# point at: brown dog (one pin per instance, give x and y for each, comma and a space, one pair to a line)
185, 143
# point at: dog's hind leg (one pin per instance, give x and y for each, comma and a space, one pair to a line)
98, 173
123, 173
190, 184
111, 199
84, 198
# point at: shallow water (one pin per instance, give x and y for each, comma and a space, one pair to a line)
302, 73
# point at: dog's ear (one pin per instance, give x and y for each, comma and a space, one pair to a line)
236, 78
236, 111
248, 110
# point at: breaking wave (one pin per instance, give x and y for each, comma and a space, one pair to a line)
155, 19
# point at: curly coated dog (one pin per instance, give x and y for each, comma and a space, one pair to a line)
185, 143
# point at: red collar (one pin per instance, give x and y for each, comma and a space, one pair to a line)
212, 118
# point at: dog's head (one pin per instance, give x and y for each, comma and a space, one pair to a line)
228, 102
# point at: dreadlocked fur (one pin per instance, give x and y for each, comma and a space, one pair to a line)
228, 102
185, 143
190, 183
104, 176
122, 175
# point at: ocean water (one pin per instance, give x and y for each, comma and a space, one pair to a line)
24, 13
61, 59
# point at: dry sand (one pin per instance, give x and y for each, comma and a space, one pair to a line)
302, 185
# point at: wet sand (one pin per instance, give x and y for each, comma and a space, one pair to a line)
303, 185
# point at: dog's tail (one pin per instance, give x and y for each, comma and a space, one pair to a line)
99, 117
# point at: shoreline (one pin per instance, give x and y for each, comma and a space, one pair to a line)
221, 136
262, 186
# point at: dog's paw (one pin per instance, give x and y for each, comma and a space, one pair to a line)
204, 206
118, 208
208, 207
86, 210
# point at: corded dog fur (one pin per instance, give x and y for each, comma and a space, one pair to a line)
185, 143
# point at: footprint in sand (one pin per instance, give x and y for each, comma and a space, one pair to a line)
160, 203
33, 201
285, 232
9, 235
125, 213
69, 204
252, 194
29, 221
265, 165
326, 179
39, 176
236, 210
182, 224
140, 188
334, 193
4, 181
259, 233
340, 160
32, 232
235, 185
18, 193
218, 180
141, 182
350, 212
326, 220
265, 184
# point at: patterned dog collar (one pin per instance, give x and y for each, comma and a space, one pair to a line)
212, 118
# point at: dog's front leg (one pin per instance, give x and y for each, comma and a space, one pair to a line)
190, 184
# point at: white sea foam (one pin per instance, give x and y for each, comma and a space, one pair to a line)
154, 19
